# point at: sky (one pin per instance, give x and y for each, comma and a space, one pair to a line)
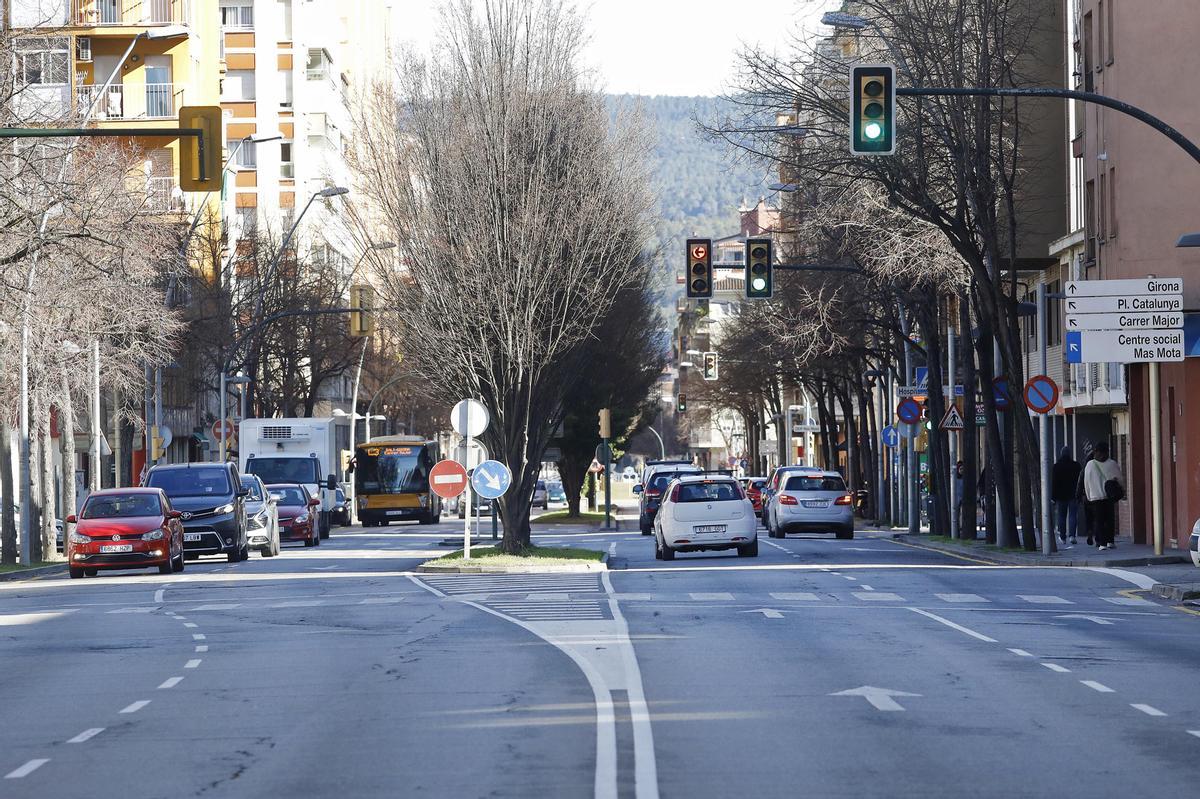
674, 47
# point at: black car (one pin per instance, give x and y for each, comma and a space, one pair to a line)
652, 494
341, 510
212, 501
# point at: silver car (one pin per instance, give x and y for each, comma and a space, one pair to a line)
811, 502
262, 517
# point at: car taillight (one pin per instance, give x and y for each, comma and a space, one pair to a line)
843, 500
675, 494
787, 499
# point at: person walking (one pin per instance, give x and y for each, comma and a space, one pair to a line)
1105, 487
1063, 481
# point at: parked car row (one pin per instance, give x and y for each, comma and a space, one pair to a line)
185, 511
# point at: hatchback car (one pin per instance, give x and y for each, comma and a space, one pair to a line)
262, 517
541, 497
771, 487
211, 499
754, 487
555, 493
701, 512
812, 502
297, 513
125, 528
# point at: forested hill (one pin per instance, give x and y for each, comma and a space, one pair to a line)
700, 182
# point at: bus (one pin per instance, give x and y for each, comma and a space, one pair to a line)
391, 480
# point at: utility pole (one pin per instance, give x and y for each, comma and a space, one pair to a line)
952, 375
1043, 443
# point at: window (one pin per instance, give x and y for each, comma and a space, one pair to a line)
286, 168
247, 219
1108, 32
1100, 42
1088, 80
1112, 202
45, 66
247, 155
318, 63
286, 13
1089, 219
1054, 320
286, 100
237, 14
238, 85
1102, 215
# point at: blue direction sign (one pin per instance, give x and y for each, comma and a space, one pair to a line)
921, 376
909, 411
491, 479
1001, 393
890, 436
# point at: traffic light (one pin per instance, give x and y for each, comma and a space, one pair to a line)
873, 109
699, 268
701, 308
208, 119
605, 423
681, 404
156, 444
710, 366
760, 281
362, 319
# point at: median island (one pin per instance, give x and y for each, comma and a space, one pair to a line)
531, 559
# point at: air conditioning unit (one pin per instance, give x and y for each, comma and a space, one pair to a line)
83, 48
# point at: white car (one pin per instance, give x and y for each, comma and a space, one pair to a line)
705, 512
811, 502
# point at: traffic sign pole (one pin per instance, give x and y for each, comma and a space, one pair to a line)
952, 377
1043, 445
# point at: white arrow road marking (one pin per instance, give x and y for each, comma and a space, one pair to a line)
1096, 619
880, 698
766, 612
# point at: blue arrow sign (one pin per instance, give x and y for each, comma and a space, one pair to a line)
891, 436
921, 376
1074, 346
491, 479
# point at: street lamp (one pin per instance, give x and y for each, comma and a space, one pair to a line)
377, 246
1189, 240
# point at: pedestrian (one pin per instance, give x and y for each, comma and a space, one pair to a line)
1085, 516
1064, 481
1104, 487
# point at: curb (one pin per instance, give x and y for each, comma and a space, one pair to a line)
30, 574
1002, 559
585, 567
1177, 593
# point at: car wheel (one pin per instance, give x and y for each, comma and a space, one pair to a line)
668, 553
265, 552
846, 534
177, 564
234, 556
647, 529
75, 573
166, 568
91, 572
749, 551
657, 549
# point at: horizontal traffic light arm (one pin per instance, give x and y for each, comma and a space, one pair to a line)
800, 268
123, 133
1171, 133
255, 328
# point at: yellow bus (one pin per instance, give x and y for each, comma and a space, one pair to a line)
391, 480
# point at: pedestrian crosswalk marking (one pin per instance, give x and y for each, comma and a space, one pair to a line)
878, 596
1132, 601
800, 597
961, 598
1038, 599
297, 603
227, 606
718, 596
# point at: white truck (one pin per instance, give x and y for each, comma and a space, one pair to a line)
307, 451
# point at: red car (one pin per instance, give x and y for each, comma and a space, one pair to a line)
297, 509
754, 486
125, 528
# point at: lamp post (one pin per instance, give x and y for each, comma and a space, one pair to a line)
354, 415
371, 404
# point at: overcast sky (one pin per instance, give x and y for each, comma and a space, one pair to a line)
677, 47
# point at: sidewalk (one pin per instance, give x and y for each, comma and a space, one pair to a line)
1125, 554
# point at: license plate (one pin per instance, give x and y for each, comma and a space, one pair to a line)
116, 548
395, 513
709, 528
815, 503
191, 536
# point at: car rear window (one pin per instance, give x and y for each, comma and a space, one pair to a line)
716, 491
288, 495
757, 484
805, 483
659, 481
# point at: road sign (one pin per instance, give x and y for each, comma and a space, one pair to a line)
890, 436
448, 479
952, 420
1041, 394
1125, 321
1123, 288
491, 479
223, 429
469, 418
909, 430
921, 376
1118, 346
980, 414
906, 392
1001, 393
909, 411
1163, 303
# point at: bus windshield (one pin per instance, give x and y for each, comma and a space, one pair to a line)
285, 470
391, 469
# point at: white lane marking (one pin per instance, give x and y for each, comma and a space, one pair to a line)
1093, 619
197, 636
381, 600
192, 664
27, 769
612, 548
1148, 710
86, 735
1132, 601
633, 597
1098, 686
717, 596
132, 610
1040, 599
298, 603
180, 618
645, 766
1057, 668
136, 706
800, 597
1020, 653
1140, 580
548, 597
191, 624
170, 682
866, 588
848, 577
202, 648
767, 613
959, 598
229, 606
1194, 732
158, 595
877, 596
953, 626
880, 698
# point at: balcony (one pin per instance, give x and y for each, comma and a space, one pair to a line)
163, 195
154, 101
129, 13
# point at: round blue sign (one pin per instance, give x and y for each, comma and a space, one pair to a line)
491, 479
891, 436
909, 411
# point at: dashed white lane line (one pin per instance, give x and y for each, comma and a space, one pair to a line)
228, 606
381, 600
298, 603
1148, 710
848, 577
953, 626
86, 735
158, 595
202, 648
612, 548
197, 636
136, 706
797, 597
959, 598
1194, 732
194, 663
1040, 599
132, 610
718, 596
1021, 653
1098, 686
27, 769
190, 624
170, 682
1057, 668
877, 596
866, 588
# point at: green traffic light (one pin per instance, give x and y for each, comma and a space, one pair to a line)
873, 131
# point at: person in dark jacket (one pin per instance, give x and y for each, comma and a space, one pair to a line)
1064, 487
1081, 500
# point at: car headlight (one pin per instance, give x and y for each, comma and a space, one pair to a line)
76, 538
225, 509
153, 535
258, 520
302, 518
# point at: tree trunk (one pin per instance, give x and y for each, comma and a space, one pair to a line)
852, 454
46, 476
870, 444
572, 480
68, 449
8, 522
970, 440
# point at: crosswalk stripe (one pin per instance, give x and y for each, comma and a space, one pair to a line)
1132, 601
800, 597
297, 603
229, 606
718, 596
381, 600
961, 598
1039, 599
878, 596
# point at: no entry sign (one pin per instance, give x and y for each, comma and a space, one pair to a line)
447, 479
1041, 394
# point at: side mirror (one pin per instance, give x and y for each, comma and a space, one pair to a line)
637, 489
243, 492
331, 482
314, 502
70, 519
174, 514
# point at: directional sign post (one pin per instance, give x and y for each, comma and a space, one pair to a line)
469, 418
1041, 394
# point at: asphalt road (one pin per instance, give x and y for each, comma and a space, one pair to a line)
337, 672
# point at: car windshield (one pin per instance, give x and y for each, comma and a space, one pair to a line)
541, 485
289, 495
285, 470
211, 482
722, 491
115, 506
251, 485
815, 483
